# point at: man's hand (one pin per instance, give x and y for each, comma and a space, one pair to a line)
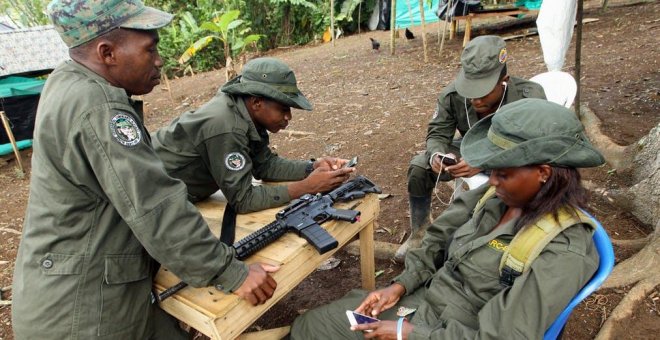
382, 299
462, 169
436, 163
330, 162
259, 286
322, 179
383, 330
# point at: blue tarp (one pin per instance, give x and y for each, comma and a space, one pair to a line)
403, 15
6, 149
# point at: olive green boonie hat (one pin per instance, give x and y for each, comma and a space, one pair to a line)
527, 132
482, 61
79, 21
269, 78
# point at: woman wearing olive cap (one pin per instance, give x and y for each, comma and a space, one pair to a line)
452, 287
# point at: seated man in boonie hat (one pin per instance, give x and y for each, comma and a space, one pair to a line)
481, 88
224, 143
468, 279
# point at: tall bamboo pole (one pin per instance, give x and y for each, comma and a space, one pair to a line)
444, 30
332, 22
421, 12
392, 26
5, 122
578, 55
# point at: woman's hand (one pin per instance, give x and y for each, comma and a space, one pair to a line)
383, 330
380, 300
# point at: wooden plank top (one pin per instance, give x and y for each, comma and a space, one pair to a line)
225, 316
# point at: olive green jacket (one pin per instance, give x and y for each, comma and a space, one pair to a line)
199, 147
464, 298
451, 115
101, 215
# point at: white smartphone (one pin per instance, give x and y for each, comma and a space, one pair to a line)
356, 318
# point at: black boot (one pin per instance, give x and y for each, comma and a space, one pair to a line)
420, 219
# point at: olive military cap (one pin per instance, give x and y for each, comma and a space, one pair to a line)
527, 132
79, 21
269, 78
482, 61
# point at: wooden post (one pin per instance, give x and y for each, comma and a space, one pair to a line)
409, 15
578, 55
332, 22
444, 30
392, 26
421, 12
359, 12
5, 122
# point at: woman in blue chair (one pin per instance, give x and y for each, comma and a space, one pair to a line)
470, 278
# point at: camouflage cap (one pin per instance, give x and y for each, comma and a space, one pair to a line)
79, 21
269, 78
482, 61
527, 132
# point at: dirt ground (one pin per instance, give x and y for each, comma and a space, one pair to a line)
377, 106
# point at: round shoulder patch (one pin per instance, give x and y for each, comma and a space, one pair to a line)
125, 130
235, 161
503, 56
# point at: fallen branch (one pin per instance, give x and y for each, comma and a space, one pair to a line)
10, 230
382, 250
298, 133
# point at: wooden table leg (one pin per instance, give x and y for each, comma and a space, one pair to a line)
452, 29
367, 263
468, 31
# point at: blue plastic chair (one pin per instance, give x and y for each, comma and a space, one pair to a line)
606, 254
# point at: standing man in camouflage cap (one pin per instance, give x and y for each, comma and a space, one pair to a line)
481, 88
102, 212
223, 144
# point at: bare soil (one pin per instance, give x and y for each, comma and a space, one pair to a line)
376, 105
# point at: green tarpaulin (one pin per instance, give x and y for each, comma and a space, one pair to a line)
20, 86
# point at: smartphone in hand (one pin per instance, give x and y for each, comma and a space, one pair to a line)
356, 318
352, 163
447, 159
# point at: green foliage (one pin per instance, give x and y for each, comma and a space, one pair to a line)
26, 13
275, 22
226, 30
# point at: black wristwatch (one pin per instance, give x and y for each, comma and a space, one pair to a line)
309, 167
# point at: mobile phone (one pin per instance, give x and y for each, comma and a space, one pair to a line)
447, 160
356, 318
352, 163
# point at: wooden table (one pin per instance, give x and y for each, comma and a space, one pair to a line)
226, 316
468, 20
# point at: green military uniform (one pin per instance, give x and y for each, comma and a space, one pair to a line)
102, 212
462, 298
483, 64
218, 146
451, 115
453, 280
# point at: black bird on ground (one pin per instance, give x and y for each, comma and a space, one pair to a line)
375, 45
409, 34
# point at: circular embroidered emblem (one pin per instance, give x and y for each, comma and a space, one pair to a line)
125, 130
503, 56
235, 161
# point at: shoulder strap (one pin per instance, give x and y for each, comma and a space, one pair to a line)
482, 201
532, 239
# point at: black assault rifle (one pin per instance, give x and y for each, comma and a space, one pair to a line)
303, 216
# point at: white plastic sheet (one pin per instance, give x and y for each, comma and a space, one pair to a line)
555, 24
